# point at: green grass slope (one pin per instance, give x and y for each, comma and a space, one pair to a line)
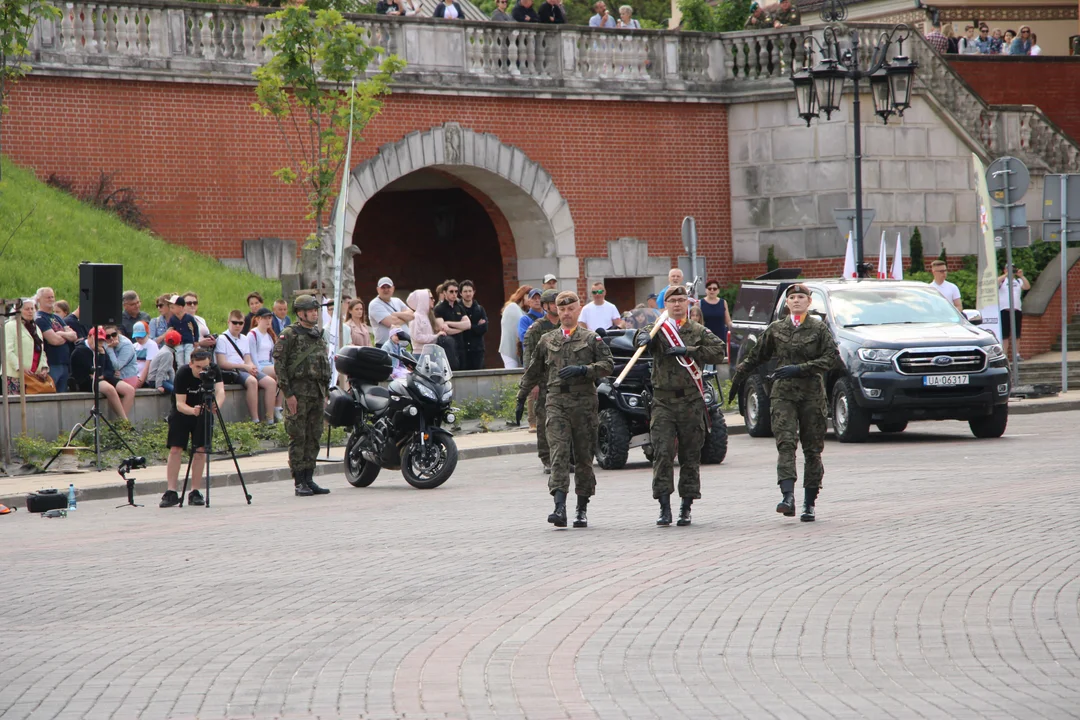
62, 232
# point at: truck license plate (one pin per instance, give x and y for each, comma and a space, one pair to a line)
945, 380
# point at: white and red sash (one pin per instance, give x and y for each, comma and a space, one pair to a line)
670, 331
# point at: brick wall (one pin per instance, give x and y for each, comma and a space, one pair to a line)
202, 159
1050, 82
1040, 331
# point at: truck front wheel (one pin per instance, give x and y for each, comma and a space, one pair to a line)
992, 425
850, 422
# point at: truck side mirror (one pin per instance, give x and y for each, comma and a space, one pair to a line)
973, 316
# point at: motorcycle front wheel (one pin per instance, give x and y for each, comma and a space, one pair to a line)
358, 471
429, 465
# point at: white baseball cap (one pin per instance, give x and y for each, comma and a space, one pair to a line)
385, 281
549, 277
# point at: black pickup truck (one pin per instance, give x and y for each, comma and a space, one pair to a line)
907, 354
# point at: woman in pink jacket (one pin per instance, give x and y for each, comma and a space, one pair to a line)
425, 327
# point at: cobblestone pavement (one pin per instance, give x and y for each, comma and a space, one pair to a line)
941, 581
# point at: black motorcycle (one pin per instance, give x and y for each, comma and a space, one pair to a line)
625, 411
398, 427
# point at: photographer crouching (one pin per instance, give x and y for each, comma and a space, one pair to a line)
191, 419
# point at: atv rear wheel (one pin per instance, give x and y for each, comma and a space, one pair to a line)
612, 440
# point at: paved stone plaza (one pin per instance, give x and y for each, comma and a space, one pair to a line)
941, 581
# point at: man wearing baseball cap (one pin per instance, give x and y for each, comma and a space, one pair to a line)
387, 311
568, 361
550, 282
805, 352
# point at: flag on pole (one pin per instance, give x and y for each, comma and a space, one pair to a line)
986, 294
898, 261
882, 260
334, 331
849, 259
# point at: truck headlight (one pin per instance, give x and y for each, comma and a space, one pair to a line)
876, 355
994, 352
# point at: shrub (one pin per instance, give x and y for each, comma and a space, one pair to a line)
918, 264
771, 263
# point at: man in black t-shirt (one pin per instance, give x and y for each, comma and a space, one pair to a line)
190, 421
474, 336
452, 312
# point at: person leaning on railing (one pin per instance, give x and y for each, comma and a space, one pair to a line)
759, 19
523, 12
500, 14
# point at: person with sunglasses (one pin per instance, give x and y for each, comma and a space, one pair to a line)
600, 313
233, 352
184, 324
500, 14
124, 358
455, 322
715, 311
1021, 44
206, 339
87, 372
157, 327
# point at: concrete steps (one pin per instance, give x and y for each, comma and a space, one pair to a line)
1033, 373
1074, 335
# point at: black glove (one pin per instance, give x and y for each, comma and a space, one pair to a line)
643, 339
676, 350
788, 371
519, 411
572, 371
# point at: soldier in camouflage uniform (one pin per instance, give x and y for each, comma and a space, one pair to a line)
301, 359
568, 361
544, 325
786, 15
805, 351
678, 408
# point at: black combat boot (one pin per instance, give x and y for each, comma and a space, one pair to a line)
558, 517
684, 512
809, 498
309, 480
299, 486
665, 511
580, 520
787, 505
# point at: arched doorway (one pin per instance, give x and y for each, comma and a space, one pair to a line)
418, 208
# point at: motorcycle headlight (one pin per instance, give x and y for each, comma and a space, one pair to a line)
708, 397
876, 355
426, 391
994, 352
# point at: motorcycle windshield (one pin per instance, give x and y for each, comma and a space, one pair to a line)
434, 364
640, 317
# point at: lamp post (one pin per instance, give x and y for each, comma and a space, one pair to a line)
819, 89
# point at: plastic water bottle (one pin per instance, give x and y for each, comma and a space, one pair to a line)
71, 497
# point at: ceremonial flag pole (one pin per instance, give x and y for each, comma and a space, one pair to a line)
849, 260
334, 331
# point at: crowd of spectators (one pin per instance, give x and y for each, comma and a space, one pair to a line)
981, 40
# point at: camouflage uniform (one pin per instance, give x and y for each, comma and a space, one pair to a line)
789, 17
532, 339
301, 358
799, 404
758, 22
678, 409
571, 404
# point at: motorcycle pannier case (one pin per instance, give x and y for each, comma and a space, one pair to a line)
363, 364
340, 410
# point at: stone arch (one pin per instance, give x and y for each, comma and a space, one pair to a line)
537, 213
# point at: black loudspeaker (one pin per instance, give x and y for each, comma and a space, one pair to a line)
101, 288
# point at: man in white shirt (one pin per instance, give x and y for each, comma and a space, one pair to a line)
600, 313
1011, 326
948, 291
231, 353
387, 311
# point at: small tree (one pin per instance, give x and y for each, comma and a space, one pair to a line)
918, 264
943, 256
17, 21
306, 88
703, 16
771, 263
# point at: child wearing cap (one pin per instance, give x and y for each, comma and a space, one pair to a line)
186, 326
145, 350
162, 367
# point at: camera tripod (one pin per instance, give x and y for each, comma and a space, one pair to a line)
96, 415
209, 411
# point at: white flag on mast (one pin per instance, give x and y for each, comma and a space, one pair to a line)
882, 260
898, 261
334, 331
849, 259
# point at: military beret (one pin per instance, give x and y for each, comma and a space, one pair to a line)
549, 296
566, 298
797, 288
673, 291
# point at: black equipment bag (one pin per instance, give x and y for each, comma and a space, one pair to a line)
363, 364
44, 500
340, 410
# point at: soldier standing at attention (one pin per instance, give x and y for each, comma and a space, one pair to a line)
678, 409
301, 358
805, 351
568, 361
537, 330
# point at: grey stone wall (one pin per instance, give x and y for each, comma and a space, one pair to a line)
786, 179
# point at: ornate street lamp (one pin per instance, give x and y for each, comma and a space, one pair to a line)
823, 85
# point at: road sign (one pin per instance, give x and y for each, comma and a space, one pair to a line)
1017, 216
689, 235
1052, 198
845, 220
1007, 174
1051, 231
